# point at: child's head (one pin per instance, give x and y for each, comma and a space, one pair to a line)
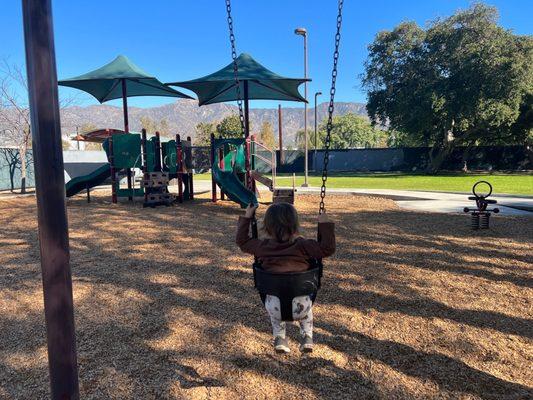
281, 221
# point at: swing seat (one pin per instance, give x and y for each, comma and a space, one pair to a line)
288, 286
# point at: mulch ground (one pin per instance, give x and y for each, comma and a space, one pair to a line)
413, 306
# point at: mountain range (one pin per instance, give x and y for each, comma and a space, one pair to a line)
183, 115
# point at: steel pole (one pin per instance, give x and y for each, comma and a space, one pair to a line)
50, 193
125, 106
316, 130
127, 130
306, 148
280, 135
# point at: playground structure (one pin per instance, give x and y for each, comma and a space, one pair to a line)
154, 162
480, 216
237, 164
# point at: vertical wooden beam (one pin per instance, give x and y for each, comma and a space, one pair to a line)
50, 192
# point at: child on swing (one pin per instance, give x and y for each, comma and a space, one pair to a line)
284, 251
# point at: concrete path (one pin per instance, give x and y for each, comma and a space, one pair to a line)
417, 200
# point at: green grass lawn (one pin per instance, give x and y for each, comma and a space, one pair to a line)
446, 182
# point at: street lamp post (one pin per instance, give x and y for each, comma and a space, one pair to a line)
303, 32
316, 132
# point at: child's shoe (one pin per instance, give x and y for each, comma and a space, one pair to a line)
281, 345
306, 344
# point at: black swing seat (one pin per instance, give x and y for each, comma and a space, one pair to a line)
288, 286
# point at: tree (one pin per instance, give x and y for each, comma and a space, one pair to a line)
349, 131
89, 146
15, 114
12, 161
230, 127
203, 133
266, 134
152, 126
461, 81
300, 139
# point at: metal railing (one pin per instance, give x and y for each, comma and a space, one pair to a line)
272, 162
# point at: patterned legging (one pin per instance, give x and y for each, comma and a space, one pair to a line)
302, 311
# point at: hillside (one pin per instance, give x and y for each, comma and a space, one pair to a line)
183, 116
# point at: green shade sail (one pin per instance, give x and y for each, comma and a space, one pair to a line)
106, 83
263, 84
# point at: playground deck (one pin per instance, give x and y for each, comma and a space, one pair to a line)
414, 305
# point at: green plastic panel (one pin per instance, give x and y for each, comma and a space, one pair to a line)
127, 151
168, 150
150, 154
137, 192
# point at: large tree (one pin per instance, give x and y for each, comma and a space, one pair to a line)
153, 126
349, 131
266, 135
203, 133
230, 127
462, 81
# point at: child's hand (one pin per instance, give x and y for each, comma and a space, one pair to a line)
322, 218
250, 211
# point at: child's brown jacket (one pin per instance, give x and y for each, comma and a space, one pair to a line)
284, 257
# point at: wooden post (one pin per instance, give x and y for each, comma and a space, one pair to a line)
213, 183
280, 136
88, 194
50, 193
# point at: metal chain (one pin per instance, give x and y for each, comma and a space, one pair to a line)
331, 106
235, 66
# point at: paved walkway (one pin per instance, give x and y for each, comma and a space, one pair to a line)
417, 200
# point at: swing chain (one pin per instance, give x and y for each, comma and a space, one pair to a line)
235, 66
329, 126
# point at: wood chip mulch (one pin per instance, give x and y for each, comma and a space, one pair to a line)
413, 306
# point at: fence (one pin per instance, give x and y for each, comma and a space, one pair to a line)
10, 169
484, 158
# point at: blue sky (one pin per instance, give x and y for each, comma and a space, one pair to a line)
181, 39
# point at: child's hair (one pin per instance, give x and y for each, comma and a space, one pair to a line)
281, 221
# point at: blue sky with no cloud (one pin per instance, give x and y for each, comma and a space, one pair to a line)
180, 39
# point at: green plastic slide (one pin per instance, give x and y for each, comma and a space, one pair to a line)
230, 184
95, 178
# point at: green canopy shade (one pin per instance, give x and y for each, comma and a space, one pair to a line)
256, 83
105, 83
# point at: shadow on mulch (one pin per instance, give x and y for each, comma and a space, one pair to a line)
166, 305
